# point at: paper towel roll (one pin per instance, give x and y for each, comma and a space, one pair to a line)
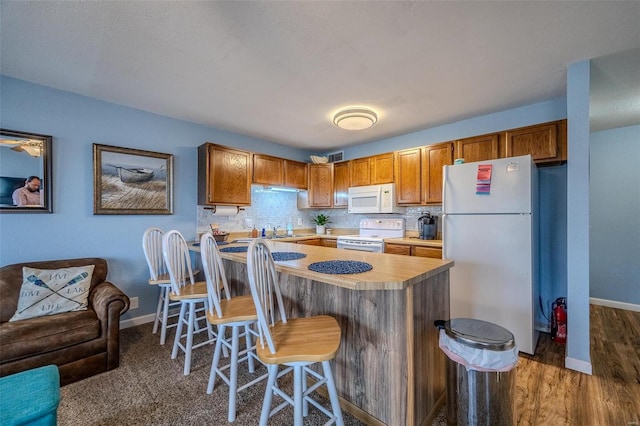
225, 210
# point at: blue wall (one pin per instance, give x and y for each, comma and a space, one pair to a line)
615, 215
578, 356
76, 122
73, 231
517, 117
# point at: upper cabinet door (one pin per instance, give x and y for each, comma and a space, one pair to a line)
224, 175
341, 184
478, 148
381, 168
320, 185
268, 170
545, 142
360, 172
408, 176
295, 174
434, 158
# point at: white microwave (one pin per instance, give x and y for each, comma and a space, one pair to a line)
373, 199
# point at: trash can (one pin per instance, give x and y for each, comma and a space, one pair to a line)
481, 378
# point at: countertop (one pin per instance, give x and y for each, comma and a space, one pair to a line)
409, 240
390, 271
415, 241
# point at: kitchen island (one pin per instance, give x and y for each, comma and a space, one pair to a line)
389, 369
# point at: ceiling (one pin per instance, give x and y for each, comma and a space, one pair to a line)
615, 91
279, 70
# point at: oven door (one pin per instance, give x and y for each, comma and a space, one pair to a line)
360, 245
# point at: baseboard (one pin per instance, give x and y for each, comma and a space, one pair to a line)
543, 327
615, 304
578, 365
132, 322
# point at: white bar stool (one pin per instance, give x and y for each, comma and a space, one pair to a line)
293, 342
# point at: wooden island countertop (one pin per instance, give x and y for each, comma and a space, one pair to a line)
390, 272
389, 369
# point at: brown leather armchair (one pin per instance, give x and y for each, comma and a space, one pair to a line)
81, 343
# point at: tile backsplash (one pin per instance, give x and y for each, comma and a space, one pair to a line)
271, 208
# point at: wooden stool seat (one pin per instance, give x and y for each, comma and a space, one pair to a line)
160, 280
240, 308
197, 290
313, 339
165, 279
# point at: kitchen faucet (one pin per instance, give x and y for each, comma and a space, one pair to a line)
275, 232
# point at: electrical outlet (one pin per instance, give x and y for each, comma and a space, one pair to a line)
248, 223
133, 302
299, 221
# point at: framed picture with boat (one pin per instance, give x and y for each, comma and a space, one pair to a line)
131, 181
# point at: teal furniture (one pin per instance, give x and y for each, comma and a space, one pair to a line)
30, 397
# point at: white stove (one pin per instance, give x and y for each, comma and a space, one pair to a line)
371, 235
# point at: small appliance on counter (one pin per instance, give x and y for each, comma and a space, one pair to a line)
427, 227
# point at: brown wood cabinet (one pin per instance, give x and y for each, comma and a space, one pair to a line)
408, 173
478, 148
268, 170
434, 158
413, 250
329, 242
341, 184
311, 242
320, 185
295, 174
371, 170
360, 172
397, 249
224, 175
381, 168
421, 251
547, 142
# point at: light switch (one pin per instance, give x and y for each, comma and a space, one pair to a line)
248, 223
299, 221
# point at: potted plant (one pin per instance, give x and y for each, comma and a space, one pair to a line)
321, 221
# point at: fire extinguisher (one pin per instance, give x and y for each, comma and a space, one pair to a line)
559, 320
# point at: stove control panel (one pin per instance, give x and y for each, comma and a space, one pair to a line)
391, 224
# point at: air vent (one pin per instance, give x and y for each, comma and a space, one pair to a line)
336, 156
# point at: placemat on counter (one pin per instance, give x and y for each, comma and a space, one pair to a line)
282, 256
239, 249
340, 267
219, 243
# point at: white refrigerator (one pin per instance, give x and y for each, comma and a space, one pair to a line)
490, 231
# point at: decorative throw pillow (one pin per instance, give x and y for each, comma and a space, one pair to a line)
53, 291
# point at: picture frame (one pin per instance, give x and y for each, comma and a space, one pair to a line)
131, 181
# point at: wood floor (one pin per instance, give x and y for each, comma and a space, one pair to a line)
549, 394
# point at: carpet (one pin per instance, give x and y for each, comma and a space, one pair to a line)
149, 389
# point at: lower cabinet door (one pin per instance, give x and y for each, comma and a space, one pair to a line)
432, 252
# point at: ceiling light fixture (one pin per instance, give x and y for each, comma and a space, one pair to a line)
355, 118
